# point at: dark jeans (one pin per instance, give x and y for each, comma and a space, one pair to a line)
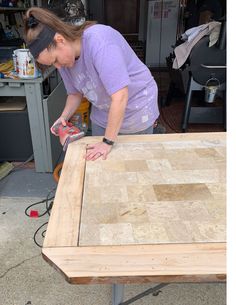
100, 131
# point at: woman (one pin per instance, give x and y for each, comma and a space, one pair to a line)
95, 61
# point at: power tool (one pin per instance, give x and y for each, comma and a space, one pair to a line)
68, 133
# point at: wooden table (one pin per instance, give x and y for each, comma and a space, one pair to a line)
154, 211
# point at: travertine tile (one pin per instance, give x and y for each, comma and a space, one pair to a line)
92, 194
99, 213
193, 210
218, 190
114, 194
158, 164
149, 178
113, 165
208, 153
140, 193
189, 160
150, 233
156, 193
136, 166
176, 192
177, 230
209, 231
116, 234
162, 211
89, 234
193, 176
132, 212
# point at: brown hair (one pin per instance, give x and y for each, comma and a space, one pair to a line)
46, 18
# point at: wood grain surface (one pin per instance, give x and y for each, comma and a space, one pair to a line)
154, 211
140, 264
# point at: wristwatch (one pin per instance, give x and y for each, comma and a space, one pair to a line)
108, 142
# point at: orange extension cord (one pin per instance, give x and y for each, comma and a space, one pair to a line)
56, 172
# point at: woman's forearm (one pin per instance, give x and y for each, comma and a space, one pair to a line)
72, 103
116, 113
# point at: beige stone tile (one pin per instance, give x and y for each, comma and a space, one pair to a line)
113, 165
156, 165
127, 178
173, 145
221, 151
181, 192
193, 176
132, 212
217, 210
108, 179
94, 167
218, 190
137, 155
177, 231
189, 160
140, 193
89, 235
150, 233
202, 231
116, 234
92, 194
193, 210
92, 179
114, 194
192, 227
162, 211
212, 232
213, 143
149, 178
99, 213
208, 153
136, 165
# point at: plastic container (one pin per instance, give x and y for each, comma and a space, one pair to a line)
83, 110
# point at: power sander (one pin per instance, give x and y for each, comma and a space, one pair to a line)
68, 133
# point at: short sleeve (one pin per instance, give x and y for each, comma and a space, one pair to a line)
111, 66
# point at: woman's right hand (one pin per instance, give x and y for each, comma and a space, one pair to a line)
60, 120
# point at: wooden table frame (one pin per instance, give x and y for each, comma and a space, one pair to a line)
159, 263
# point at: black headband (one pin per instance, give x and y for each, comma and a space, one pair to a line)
42, 41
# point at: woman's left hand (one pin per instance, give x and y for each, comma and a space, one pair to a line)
95, 151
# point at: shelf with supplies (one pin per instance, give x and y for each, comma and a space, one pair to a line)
4, 9
45, 98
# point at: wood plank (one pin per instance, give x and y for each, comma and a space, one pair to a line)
139, 264
63, 227
208, 136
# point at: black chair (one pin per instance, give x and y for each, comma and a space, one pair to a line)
204, 64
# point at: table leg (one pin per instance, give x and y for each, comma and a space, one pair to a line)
34, 95
117, 294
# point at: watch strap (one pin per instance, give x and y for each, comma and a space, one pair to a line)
107, 141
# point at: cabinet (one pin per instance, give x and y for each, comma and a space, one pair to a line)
42, 111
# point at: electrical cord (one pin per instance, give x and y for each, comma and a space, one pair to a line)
49, 203
42, 234
48, 206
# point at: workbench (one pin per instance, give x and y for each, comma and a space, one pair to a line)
43, 110
154, 211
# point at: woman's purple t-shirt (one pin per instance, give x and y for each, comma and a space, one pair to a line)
107, 64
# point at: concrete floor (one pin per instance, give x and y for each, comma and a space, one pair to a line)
25, 278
